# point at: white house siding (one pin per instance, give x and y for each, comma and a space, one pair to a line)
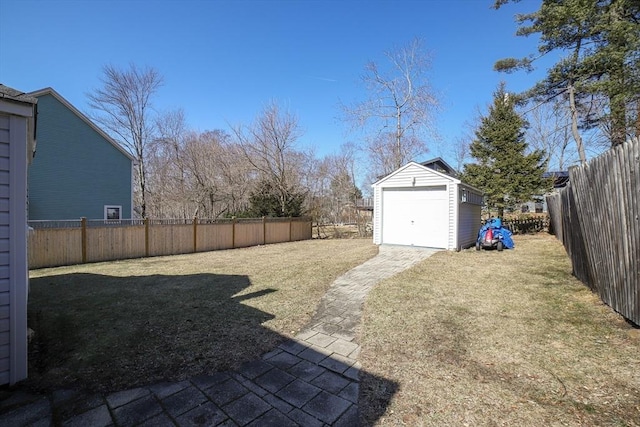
4, 250
13, 246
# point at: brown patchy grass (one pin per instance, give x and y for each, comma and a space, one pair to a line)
333, 231
489, 338
116, 325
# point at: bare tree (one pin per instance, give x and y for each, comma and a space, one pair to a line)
219, 175
318, 198
345, 190
196, 174
398, 112
269, 145
333, 192
123, 106
166, 171
550, 131
461, 152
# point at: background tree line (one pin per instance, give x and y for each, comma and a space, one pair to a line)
260, 168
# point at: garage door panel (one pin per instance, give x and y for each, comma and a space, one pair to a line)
416, 216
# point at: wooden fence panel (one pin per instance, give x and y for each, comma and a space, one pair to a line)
111, 243
574, 242
591, 220
248, 234
213, 237
277, 232
630, 167
62, 244
170, 239
600, 217
554, 206
51, 247
300, 230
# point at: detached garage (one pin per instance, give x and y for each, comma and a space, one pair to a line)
419, 206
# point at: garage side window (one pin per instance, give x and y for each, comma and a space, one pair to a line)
467, 196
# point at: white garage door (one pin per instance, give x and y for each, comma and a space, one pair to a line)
416, 216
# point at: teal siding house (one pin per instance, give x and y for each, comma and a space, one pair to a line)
78, 170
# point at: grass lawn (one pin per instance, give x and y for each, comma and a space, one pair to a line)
489, 338
116, 325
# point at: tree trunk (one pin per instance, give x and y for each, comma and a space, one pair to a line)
617, 101
399, 140
574, 124
618, 120
638, 120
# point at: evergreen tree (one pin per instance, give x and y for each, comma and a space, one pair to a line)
600, 44
266, 201
504, 170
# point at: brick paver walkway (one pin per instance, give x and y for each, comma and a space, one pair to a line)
311, 380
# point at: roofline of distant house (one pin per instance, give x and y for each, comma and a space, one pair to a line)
51, 91
439, 159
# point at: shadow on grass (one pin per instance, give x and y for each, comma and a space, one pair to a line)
102, 334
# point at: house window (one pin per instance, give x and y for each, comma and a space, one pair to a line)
112, 212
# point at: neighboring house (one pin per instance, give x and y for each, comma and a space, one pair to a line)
439, 165
560, 178
78, 171
17, 142
419, 206
539, 202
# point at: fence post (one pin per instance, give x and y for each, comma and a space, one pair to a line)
233, 232
290, 228
146, 237
195, 234
264, 230
83, 226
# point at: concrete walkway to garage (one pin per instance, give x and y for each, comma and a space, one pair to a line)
311, 380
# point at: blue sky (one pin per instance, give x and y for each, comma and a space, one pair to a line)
222, 61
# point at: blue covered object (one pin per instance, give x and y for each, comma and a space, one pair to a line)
498, 234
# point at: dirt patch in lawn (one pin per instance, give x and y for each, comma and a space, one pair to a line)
489, 338
112, 326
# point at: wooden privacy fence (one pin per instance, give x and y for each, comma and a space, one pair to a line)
57, 243
597, 218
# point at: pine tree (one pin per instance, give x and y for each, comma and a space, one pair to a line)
266, 201
504, 170
599, 45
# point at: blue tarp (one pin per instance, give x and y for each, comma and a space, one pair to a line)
499, 231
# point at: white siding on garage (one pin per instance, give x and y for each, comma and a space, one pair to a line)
377, 216
469, 217
453, 214
408, 177
424, 177
454, 222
